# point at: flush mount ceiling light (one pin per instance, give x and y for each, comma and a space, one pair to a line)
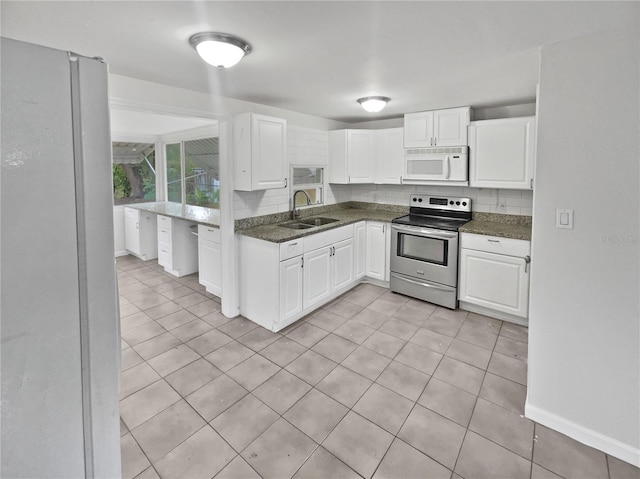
373, 104
220, 49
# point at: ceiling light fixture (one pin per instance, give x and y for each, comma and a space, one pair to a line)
373, 104
220, 49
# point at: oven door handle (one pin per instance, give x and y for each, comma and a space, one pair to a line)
421, 283
424, 231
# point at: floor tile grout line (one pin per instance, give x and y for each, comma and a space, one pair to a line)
389, 318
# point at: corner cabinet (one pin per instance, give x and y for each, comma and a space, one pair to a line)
259, 152
437, 128
210, 259
502, 153
351, 155
494, 276
140, 233
365, 156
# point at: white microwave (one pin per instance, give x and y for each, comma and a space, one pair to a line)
436, 166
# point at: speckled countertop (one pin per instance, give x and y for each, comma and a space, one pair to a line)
269, 227
504, 226
198, 214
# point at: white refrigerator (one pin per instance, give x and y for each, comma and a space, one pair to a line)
59, 321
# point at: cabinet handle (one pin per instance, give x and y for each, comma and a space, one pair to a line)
493, 241
285, 182
531, 183
302, 264
384, 227
137, 225
527, 260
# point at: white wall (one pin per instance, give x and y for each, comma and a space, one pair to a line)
584, 328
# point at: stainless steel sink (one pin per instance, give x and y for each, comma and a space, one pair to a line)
318, 221
296, 226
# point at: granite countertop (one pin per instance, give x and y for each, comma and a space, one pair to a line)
275, 233
504, 226
198, 214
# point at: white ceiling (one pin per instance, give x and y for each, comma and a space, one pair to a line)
318, 57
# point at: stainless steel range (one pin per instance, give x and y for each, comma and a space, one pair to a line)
424, 248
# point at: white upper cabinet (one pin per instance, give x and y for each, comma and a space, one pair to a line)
351, 154
259, 152
365, 156
388, 160
436, 128
502, 153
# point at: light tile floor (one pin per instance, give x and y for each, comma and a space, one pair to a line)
372, 385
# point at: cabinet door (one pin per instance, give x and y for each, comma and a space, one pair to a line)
132, 235
268, 152
494, 281
502, 153
342, 274
418, 129
210, 266
388, 156
360, 249
317, 276
360, 154
450, 126
376, 250
290, 289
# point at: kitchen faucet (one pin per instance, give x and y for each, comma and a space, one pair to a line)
295, 213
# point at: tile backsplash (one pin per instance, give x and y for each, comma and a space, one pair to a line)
483, 200
307, 146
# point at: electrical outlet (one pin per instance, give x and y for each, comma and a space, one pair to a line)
501, 207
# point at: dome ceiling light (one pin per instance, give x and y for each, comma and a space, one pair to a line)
220, 49
373, 104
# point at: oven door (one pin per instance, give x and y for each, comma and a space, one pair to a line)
425, 254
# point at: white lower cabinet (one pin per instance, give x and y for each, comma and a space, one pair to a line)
291, 281
377, 250
140, 233
177, 246
210, 259
310, 271
359, 249
494, 276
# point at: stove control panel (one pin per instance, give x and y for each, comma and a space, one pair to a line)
440, 202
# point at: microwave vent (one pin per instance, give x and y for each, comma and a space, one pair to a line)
454, 150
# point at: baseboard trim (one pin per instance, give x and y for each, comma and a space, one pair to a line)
587, 436
123, 252
474, 308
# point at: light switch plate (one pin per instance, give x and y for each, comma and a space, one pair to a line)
564, 218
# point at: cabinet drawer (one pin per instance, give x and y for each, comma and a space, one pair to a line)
131, 213
164, 236
291, 248
164, 221
326, 238
209, 233
495, 244
164, 255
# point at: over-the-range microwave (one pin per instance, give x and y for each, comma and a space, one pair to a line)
436, 166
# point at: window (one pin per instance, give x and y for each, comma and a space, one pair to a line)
193, 168
310, 180
134, 172
174, 172
202, 172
